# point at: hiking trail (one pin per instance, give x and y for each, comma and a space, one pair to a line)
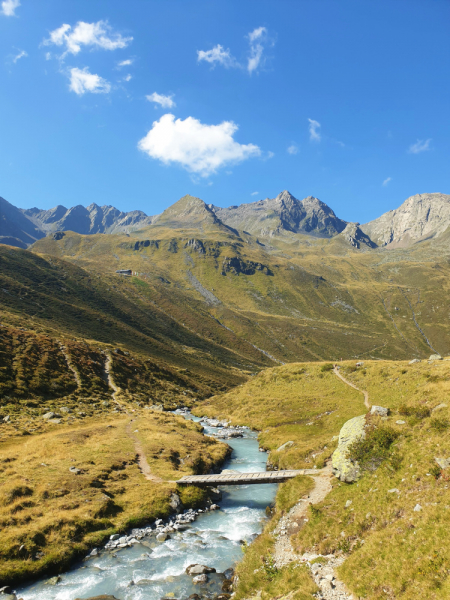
142, 459
323, 574
366, 394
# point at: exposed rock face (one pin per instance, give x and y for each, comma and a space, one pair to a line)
419, 217
356, 237
93, 219
15, 228
344, 468
284, 213
22, 227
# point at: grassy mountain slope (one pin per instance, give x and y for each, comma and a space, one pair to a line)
392, 550
294, 297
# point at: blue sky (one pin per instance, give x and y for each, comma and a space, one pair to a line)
344, 100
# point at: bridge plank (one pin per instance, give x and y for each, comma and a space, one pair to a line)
241, 478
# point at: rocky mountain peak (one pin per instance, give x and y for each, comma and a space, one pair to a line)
420, 217
191, 212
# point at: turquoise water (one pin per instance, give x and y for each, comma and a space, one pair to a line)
214, 539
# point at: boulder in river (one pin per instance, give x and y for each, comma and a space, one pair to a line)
199, 569
344, 468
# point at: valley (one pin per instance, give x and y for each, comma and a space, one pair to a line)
238, 314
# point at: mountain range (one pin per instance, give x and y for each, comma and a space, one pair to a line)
420, 217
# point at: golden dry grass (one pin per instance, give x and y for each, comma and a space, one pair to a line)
49, 515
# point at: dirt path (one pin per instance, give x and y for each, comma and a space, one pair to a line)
323, 573
366, 394
142, 459
70, 364
109, 379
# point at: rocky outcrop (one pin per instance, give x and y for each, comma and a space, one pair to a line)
239, 266
420, 217
284, 213
356, 237
344, 468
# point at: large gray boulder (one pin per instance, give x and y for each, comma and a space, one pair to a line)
344, 468
199, 569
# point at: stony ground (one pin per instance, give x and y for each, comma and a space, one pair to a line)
322, 572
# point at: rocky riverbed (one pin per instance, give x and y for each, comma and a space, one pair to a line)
150, 563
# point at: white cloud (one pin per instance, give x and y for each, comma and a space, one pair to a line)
257, 39
164, 101
387, 180
314, 127
9, 7
292, 149
198, 148
128, 77
254, 193
419, 146
81, 81
125, 63
95, 35
21, 54
217, 55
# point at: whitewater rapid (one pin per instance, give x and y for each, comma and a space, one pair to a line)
157, 569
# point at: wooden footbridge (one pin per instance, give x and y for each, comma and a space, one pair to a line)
244, 478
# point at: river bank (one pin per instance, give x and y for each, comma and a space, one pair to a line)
150, 568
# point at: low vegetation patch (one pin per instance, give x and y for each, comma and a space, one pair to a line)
372, 450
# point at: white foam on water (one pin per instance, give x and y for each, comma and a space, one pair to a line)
213, 540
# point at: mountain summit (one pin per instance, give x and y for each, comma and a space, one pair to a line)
420, 217
284, 213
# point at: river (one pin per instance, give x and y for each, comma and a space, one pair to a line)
214, 539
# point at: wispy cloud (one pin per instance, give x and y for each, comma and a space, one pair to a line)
292, 149
199, 148
254, 193
387, 180
20, 55
125, 63
420, 146
93, 35
161, 99
82, 81
217, 56
9, 7
128, 77
258, 40
314, 134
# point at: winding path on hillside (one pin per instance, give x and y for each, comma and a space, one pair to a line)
70, 364
115, 390
142, 459
366, 394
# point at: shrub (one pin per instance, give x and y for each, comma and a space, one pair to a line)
371, 451
326, 367
439, 424
419, 412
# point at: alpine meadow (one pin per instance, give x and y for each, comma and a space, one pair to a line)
229, 394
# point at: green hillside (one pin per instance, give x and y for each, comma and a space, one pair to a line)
294, 297
391, 525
